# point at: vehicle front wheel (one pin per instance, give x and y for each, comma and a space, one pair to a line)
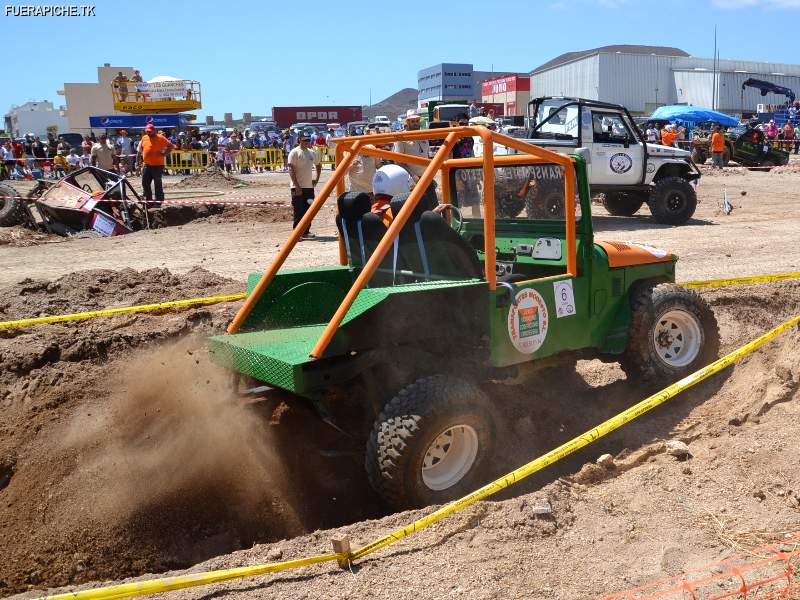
621, 204
10, 207
672, 201
673, 333
698, 156
432, 442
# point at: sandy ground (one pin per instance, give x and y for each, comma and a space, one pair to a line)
121, 455
711, 245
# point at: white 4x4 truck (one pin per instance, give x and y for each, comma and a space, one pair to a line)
621, 166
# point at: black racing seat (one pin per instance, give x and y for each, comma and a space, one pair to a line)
449, 256
352, 208
412, 252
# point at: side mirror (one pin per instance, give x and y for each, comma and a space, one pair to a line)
626, 141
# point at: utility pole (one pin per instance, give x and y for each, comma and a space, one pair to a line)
714, 80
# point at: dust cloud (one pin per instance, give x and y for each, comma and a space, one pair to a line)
172, 441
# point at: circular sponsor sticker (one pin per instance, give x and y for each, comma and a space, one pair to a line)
620, 162
528, 321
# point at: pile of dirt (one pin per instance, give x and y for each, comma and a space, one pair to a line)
18, 237
210, 179
143, 431
102, 288
793, 167
274, 212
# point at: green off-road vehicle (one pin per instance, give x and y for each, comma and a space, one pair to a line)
399, 343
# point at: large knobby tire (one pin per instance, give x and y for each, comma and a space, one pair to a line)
548, 201
621, 204
10, 206
672, 201
699, 156
432, 442
673, 333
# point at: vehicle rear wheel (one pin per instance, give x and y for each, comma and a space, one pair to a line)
673, 333
672, 201
10, 206
621, 204
698, 156
432, 442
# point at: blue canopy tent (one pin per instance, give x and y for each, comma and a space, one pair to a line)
692, 115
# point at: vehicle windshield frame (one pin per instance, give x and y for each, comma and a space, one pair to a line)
536, 125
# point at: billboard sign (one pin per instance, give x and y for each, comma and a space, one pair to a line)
133, 121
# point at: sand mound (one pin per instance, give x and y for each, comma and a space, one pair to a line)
114, 464
210, 179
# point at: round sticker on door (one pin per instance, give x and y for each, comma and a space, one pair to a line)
620, 163
527, 321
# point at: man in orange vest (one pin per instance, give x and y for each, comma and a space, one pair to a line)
668, 135
152, 149
717, 148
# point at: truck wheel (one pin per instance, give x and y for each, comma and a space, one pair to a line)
431, 443
621, 204
673, 333
548, 201
10, 206
672, 201
698, 156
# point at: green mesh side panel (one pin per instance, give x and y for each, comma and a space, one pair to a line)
370, 297
273, 356
277, 356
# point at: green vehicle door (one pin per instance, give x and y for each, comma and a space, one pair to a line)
538, 309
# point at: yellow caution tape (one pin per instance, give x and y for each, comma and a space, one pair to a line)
230, 297
739, 280
155, 586
167, 584
188, 303
575, 444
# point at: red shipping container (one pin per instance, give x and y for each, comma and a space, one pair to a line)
286, 116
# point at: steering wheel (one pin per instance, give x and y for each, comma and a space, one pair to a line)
458, 218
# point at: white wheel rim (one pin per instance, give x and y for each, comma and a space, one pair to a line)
449, 457
677, 338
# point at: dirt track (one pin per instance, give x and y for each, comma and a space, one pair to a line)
758, 237
88, 491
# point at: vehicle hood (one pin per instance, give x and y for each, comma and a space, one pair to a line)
659, 151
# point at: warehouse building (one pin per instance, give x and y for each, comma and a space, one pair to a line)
642, 78
451, 82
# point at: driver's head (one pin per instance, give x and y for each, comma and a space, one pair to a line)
390, 181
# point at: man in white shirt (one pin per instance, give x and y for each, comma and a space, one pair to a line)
74, 160
304, 171
415, 148
361, 172
103, 154
125, 148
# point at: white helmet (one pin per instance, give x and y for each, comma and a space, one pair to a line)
391, 180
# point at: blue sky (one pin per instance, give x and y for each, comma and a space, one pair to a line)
250, 56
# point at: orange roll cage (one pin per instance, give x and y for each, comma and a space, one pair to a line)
347, 148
